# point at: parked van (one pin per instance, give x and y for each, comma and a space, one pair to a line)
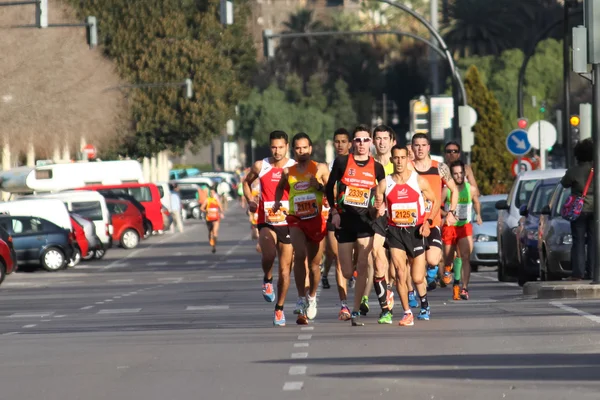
146, 193
52, 210
91, 205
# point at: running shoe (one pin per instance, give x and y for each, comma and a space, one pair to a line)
352, 282
325, 283
448, 277
390, 299
344, 314
455, 292
385, 318
407, 320
311, 309
214, 250
302, 320
424, 314
356, 319
279, 318
464, 294
432, 273
412, 299
268, 292
364, 305
300, 306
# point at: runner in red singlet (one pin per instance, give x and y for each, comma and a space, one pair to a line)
274, 235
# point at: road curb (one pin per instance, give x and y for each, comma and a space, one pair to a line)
562, 290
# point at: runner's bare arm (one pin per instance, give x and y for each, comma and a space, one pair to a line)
323, 175
471, 177
447, 179
251, 177
203, 206
443, 212
476, 204
380, 194
280, 188
429, 194
331, 181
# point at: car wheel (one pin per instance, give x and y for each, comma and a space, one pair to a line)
130, 239
196, 213
89, 255
53, 259
474, 268
2, 271
76, 258
99, 254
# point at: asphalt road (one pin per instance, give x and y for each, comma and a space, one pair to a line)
172, 321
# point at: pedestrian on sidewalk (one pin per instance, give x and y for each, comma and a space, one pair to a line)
582, 229
176, 208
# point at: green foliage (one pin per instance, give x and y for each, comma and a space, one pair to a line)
164, 41
490, 159
341, 106
543, 79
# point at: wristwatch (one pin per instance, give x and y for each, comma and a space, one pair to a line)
453, 212
430, 222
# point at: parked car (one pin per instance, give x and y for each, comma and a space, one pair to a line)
485, 245
8, 256
127, 221
528, 229
508, 219
136, 204
555, 240
37, 240
190, 205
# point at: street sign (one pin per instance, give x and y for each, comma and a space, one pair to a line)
89, 150
467, 116
526, 165
543, 129
517, 142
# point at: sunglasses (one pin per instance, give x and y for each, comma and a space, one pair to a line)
452, 151
362, 140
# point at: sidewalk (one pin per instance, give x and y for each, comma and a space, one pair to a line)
562, 290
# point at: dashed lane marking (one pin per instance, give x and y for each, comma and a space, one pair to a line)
207, 308
31, 315
299, 355
297, 370
120, 311
291, 386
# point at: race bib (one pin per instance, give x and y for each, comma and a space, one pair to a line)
275, 218
212, 214
305, 206
357, 197
463, 211
404, 214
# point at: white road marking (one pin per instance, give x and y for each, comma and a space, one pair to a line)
30, 326
206, 308
31, 315
308, 328
119, 262
59, 316
120, 280
236, 261
10, 333
299, 355
68, 282
157, 263
304, 337
116, 297
46, 320
577, 311
197, 262
178, 279
491, 278
297, 370
86, 307
120, 311
178, 254
108, 300
289, 386
220, 277
99, 302
300, 344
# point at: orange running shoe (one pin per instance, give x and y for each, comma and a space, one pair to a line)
344, 314
407, 320
455, 293
355, 274
302, 320
447, 277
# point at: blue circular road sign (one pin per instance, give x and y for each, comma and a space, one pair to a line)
517, 142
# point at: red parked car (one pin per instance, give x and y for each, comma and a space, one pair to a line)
8, 256
80, 243
127, 221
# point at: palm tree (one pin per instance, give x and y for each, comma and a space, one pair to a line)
484, 27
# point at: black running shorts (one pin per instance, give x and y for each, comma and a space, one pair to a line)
407, 239
282, 232
435, 238
353, 227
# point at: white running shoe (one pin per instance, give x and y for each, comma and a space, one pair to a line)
311, 309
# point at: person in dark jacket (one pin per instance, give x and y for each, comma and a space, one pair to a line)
582, 229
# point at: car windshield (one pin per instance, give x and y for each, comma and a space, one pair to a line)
542, 198
524, 192
488, 211
188, 194
564, 194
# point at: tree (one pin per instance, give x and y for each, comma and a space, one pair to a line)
341, 106
490, 159
158, 41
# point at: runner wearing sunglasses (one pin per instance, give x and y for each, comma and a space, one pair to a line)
355, 177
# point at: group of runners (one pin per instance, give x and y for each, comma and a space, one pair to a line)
384, 221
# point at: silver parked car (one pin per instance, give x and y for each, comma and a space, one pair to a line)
508, 219
485, 244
